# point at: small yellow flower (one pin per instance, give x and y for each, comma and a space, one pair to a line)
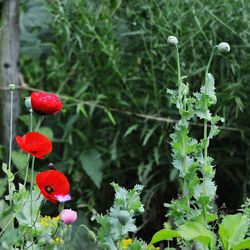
129, 241
57, 241
126, 243
57, 218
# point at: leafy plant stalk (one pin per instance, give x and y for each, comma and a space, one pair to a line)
204, 212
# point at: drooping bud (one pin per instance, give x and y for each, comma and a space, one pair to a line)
91, 236
172, 40
224, 47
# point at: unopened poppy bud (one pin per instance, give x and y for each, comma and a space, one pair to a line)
91, 235
12, 87
123, 217
68, 216
172, 40
27, 103
224, 47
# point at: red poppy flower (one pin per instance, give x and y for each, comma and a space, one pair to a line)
35, 144
45, 103
54, 185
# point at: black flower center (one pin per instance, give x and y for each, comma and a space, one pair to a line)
49, 189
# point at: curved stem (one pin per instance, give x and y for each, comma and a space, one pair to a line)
209, 63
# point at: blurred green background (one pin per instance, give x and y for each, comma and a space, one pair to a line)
110, 62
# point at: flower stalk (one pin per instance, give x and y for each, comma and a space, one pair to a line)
11, 88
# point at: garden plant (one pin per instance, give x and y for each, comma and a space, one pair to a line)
193, 221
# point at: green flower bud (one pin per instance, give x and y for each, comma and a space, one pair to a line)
123, 217
91, 236
224, 47
12, 87
172, 40
27, 102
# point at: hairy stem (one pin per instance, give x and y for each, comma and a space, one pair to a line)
204, 207
182, 103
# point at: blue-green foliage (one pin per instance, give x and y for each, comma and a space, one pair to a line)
120, 219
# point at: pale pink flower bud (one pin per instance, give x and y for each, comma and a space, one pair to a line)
68, 216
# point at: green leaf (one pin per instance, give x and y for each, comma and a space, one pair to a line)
233, 229
130, 130
6, 213
164, 234
23, 205
111, 117
196, 231
26, 120
244, 244
10, 177
20, 160
148, 135
92, 164
47, 132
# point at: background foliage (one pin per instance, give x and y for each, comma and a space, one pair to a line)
110, 62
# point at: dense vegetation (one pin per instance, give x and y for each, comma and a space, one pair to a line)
110, 62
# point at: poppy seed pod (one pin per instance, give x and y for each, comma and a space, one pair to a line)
68, 216
224, 47
172, 40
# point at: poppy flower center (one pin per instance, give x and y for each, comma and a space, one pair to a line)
49, 189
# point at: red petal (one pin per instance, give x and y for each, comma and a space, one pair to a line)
35, 144
54, 179
45, 103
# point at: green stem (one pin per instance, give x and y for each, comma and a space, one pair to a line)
204, 207
31, 128
31, 120
182, 105
31, 194
10, 140
208, 64
178, 66
39, 123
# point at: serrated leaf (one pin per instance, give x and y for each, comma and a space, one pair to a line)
10, 177
208, 188
92, 164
